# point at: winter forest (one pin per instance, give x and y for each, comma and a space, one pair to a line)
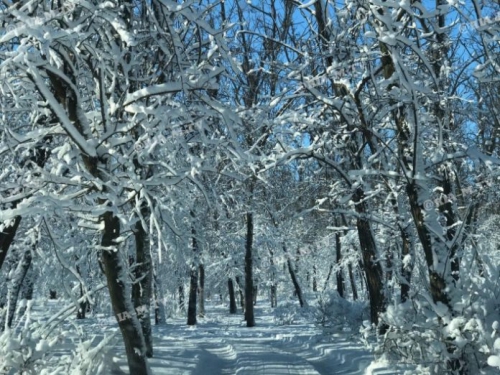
249, 187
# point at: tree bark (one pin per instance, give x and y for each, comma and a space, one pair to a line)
16, 284
274, 301
274, 295
159, 306
295, 282
249, 313
353, 283
201, 301
7, 237
142, 287
293, 276
83, 305
193, 285
232, 299
407, 250
116, 275
315, 281
371, 263
340, 277
27, 289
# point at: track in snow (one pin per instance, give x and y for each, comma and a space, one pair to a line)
227, 347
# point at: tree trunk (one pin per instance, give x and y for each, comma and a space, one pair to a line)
371, 263
353, 283
340, 277
296, 285
232, 299
159, 306
83, 305
315, 281
193, 281
249, 314
389, 268
407, 250
436, 252
27, 289
16, 284
7, 237
273, 280
201, 306
117, 275
293, 276
142, 287
7, 234
193, 288
274, 296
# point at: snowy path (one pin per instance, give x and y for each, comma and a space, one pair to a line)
228, 347
221, 344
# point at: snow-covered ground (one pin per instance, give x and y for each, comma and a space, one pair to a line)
222, 344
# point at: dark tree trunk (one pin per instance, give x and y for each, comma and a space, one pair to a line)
193, 282
27, 289
274, 299
249, 314
142, 287
340, 277
115, 269
436, 252
232, 299
353, 283
201, 306
296, 285
407, 250
371, 263
7, 237
83, 305
274, 295
295, 282
315, 281
116, 275
15, 287
159, 307
388, 266
193, 287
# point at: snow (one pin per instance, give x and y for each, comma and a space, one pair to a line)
171, 87
494, 361
221, 344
